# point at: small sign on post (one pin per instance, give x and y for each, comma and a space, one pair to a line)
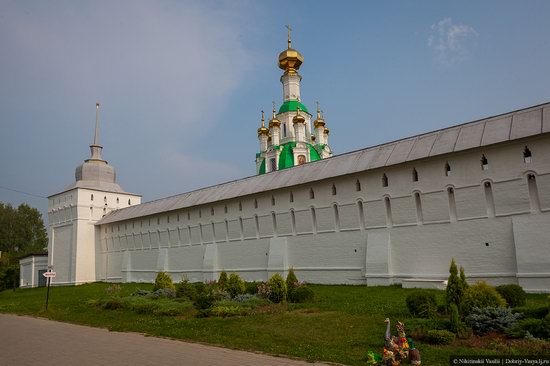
49, 274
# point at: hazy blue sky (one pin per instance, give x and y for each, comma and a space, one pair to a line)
182, 83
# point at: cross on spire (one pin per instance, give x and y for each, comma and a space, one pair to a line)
289, 40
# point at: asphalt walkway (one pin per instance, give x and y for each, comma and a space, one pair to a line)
34, 341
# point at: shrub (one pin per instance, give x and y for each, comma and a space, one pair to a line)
455, 287
225, 311
440, 337
291, 280
219, 294
222, 281
481, 295
185, 290
300, 294
422, 304
513, 294
113, 303
491, 319
419, 328
163, 292
113, 289
163, 280
278, 288
463, 279
535, 313
203, 301
455, 318
251, 287
235, 285
538, 328
264, 290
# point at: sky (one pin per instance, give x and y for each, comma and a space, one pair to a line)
182, 83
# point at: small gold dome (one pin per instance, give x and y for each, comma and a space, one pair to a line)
319, 121
298, 118
274, 122
327, 131
262, 130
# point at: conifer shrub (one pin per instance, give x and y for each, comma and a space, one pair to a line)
455, 318
163, 280
455, 286
291, 280
222, 281
440, 337
422, 304
538, 328
491, 319
481, 295
463, 279
251, 287
532, 312
235, 285
185, 290
278, 288
513, 294
300, 294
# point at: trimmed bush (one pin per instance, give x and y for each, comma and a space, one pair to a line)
422, 304
301, 294
538, 328
481, 295
222, 281
291, 279
440, 337
278, 288
513, 294
235, 285
163, 280
455, 318
251, 287
488, 320
534, 313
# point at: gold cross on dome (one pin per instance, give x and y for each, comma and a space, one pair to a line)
289, 40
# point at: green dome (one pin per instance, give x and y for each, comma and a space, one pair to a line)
292, 105
286, 159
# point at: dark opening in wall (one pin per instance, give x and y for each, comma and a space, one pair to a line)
274, 221
488, 189
447, 169
226, 230
257, 222
178, 217
291, 197
361, 215
415, 175
384, 180
311, 193
168, 219
533, 193
389, 218
357, 185
418, 203
484, 163
92, 197
211, 211
129, 202
240, 206
272, 201
200, 213
225, 209
105, 199
117, 201
255, 203
452, 203
336, 217
158, 220
188, 215
313, 220
293, 221
333, 190
526, 155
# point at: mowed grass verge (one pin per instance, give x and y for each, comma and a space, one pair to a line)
340, 325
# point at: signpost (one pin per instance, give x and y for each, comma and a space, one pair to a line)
49, 275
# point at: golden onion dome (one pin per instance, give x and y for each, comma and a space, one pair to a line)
327, 131
319, 121
298, 118
262, 130
274, 122
290, 59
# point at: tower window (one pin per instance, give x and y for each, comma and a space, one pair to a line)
484, 163
284, 129
272, 201
526, 155
273, 164
92, 197
447, 169
129, 202
415, 175
333, 190
255, 203
357, 185
311, 193
384, 180
291, 197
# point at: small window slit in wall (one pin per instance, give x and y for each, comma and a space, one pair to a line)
333, 190
389, 218
226, 230
240, 206
188, 215
357, 186
272, 201
484, 163
336, 217
533, 193
211, 211
313, 220
241, 227
129, 202
293, 221
311, 193
200, 213
361, 215
488, 189
92, 197
291, 198
384, 180
415, 175
418, 203
225, 209
168, 219
447, 169
255, 203
117, 201
257, 225
274, 222
452, 203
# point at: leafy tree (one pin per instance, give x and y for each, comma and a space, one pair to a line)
22, 232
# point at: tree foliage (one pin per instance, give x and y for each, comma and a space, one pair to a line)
22, 232
455, 286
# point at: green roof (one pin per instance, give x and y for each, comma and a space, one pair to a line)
313, 153
262, 167
286, 158
291, 105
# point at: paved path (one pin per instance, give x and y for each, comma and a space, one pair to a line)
32, 341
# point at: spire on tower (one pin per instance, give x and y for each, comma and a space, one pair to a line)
263, 130
96, 148
289, 39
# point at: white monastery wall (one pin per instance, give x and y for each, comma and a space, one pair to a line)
354, 229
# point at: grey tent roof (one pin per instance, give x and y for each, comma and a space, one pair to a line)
510, 126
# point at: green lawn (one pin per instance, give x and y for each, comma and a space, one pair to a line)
339, 326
